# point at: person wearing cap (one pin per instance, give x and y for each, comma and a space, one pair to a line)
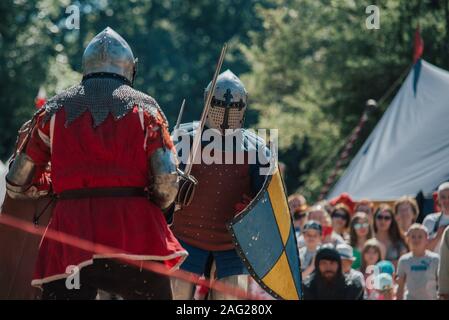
319, 214
347, 259
327, 281
385, 266
312, 238
418, 269
384, 286
344, 199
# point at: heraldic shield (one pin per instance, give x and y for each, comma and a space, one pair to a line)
265, 240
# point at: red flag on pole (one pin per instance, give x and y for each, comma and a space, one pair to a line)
418, 45
41, 98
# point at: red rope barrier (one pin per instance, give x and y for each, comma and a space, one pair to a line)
102, 249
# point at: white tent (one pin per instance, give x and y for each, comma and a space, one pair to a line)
408, 151
3, 171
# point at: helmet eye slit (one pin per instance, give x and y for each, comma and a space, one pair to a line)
222, 104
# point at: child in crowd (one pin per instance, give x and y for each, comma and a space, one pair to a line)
372, 253
386, 266
418, 269
384, 287
319, 214
347, 258
312, 237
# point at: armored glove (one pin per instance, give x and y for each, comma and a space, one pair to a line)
187, 185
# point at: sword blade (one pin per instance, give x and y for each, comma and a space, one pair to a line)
197, 137
181, 112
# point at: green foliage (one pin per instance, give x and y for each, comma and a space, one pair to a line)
177, 44
315, 64
25, 44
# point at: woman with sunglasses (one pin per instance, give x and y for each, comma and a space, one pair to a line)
340, 220
388, 233
359, 232
299, 220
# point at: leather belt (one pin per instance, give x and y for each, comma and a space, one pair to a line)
102, 192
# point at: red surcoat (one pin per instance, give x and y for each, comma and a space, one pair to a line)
114, 154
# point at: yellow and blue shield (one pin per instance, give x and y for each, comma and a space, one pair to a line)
265, 240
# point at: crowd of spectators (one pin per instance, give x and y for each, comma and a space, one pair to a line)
369, 250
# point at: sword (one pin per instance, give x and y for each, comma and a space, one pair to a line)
197, 137
181, 112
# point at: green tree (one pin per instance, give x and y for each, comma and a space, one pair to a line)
177, 43
315, 64
25, 48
